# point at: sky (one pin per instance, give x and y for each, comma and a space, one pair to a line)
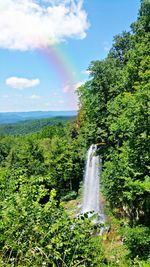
46, 47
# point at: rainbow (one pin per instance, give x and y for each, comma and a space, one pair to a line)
65, 71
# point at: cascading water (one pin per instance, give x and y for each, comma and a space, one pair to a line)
91, 197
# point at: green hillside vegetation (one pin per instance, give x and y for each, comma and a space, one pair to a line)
114, 113
31, 126
40, 170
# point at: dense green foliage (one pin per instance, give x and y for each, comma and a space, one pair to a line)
52, 157
35, 229
31, 126
44, 167
36, 235
114, 114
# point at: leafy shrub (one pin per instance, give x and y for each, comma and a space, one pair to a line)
71, 195
138, 241
34, 234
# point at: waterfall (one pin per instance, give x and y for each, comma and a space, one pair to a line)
91, 197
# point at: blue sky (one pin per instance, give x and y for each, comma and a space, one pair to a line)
46, 47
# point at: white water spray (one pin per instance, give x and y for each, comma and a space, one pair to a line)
91, 197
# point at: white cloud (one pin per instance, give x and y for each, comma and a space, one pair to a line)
21, 83
31, 24
34, 97
107, 46
67, 88
77, 85
72, 87
86, 72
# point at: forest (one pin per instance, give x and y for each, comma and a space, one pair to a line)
42, 170
32, 126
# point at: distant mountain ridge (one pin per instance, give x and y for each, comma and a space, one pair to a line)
34, 126
15, 117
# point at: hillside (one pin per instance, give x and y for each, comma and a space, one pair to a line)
15, 117
32, 126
